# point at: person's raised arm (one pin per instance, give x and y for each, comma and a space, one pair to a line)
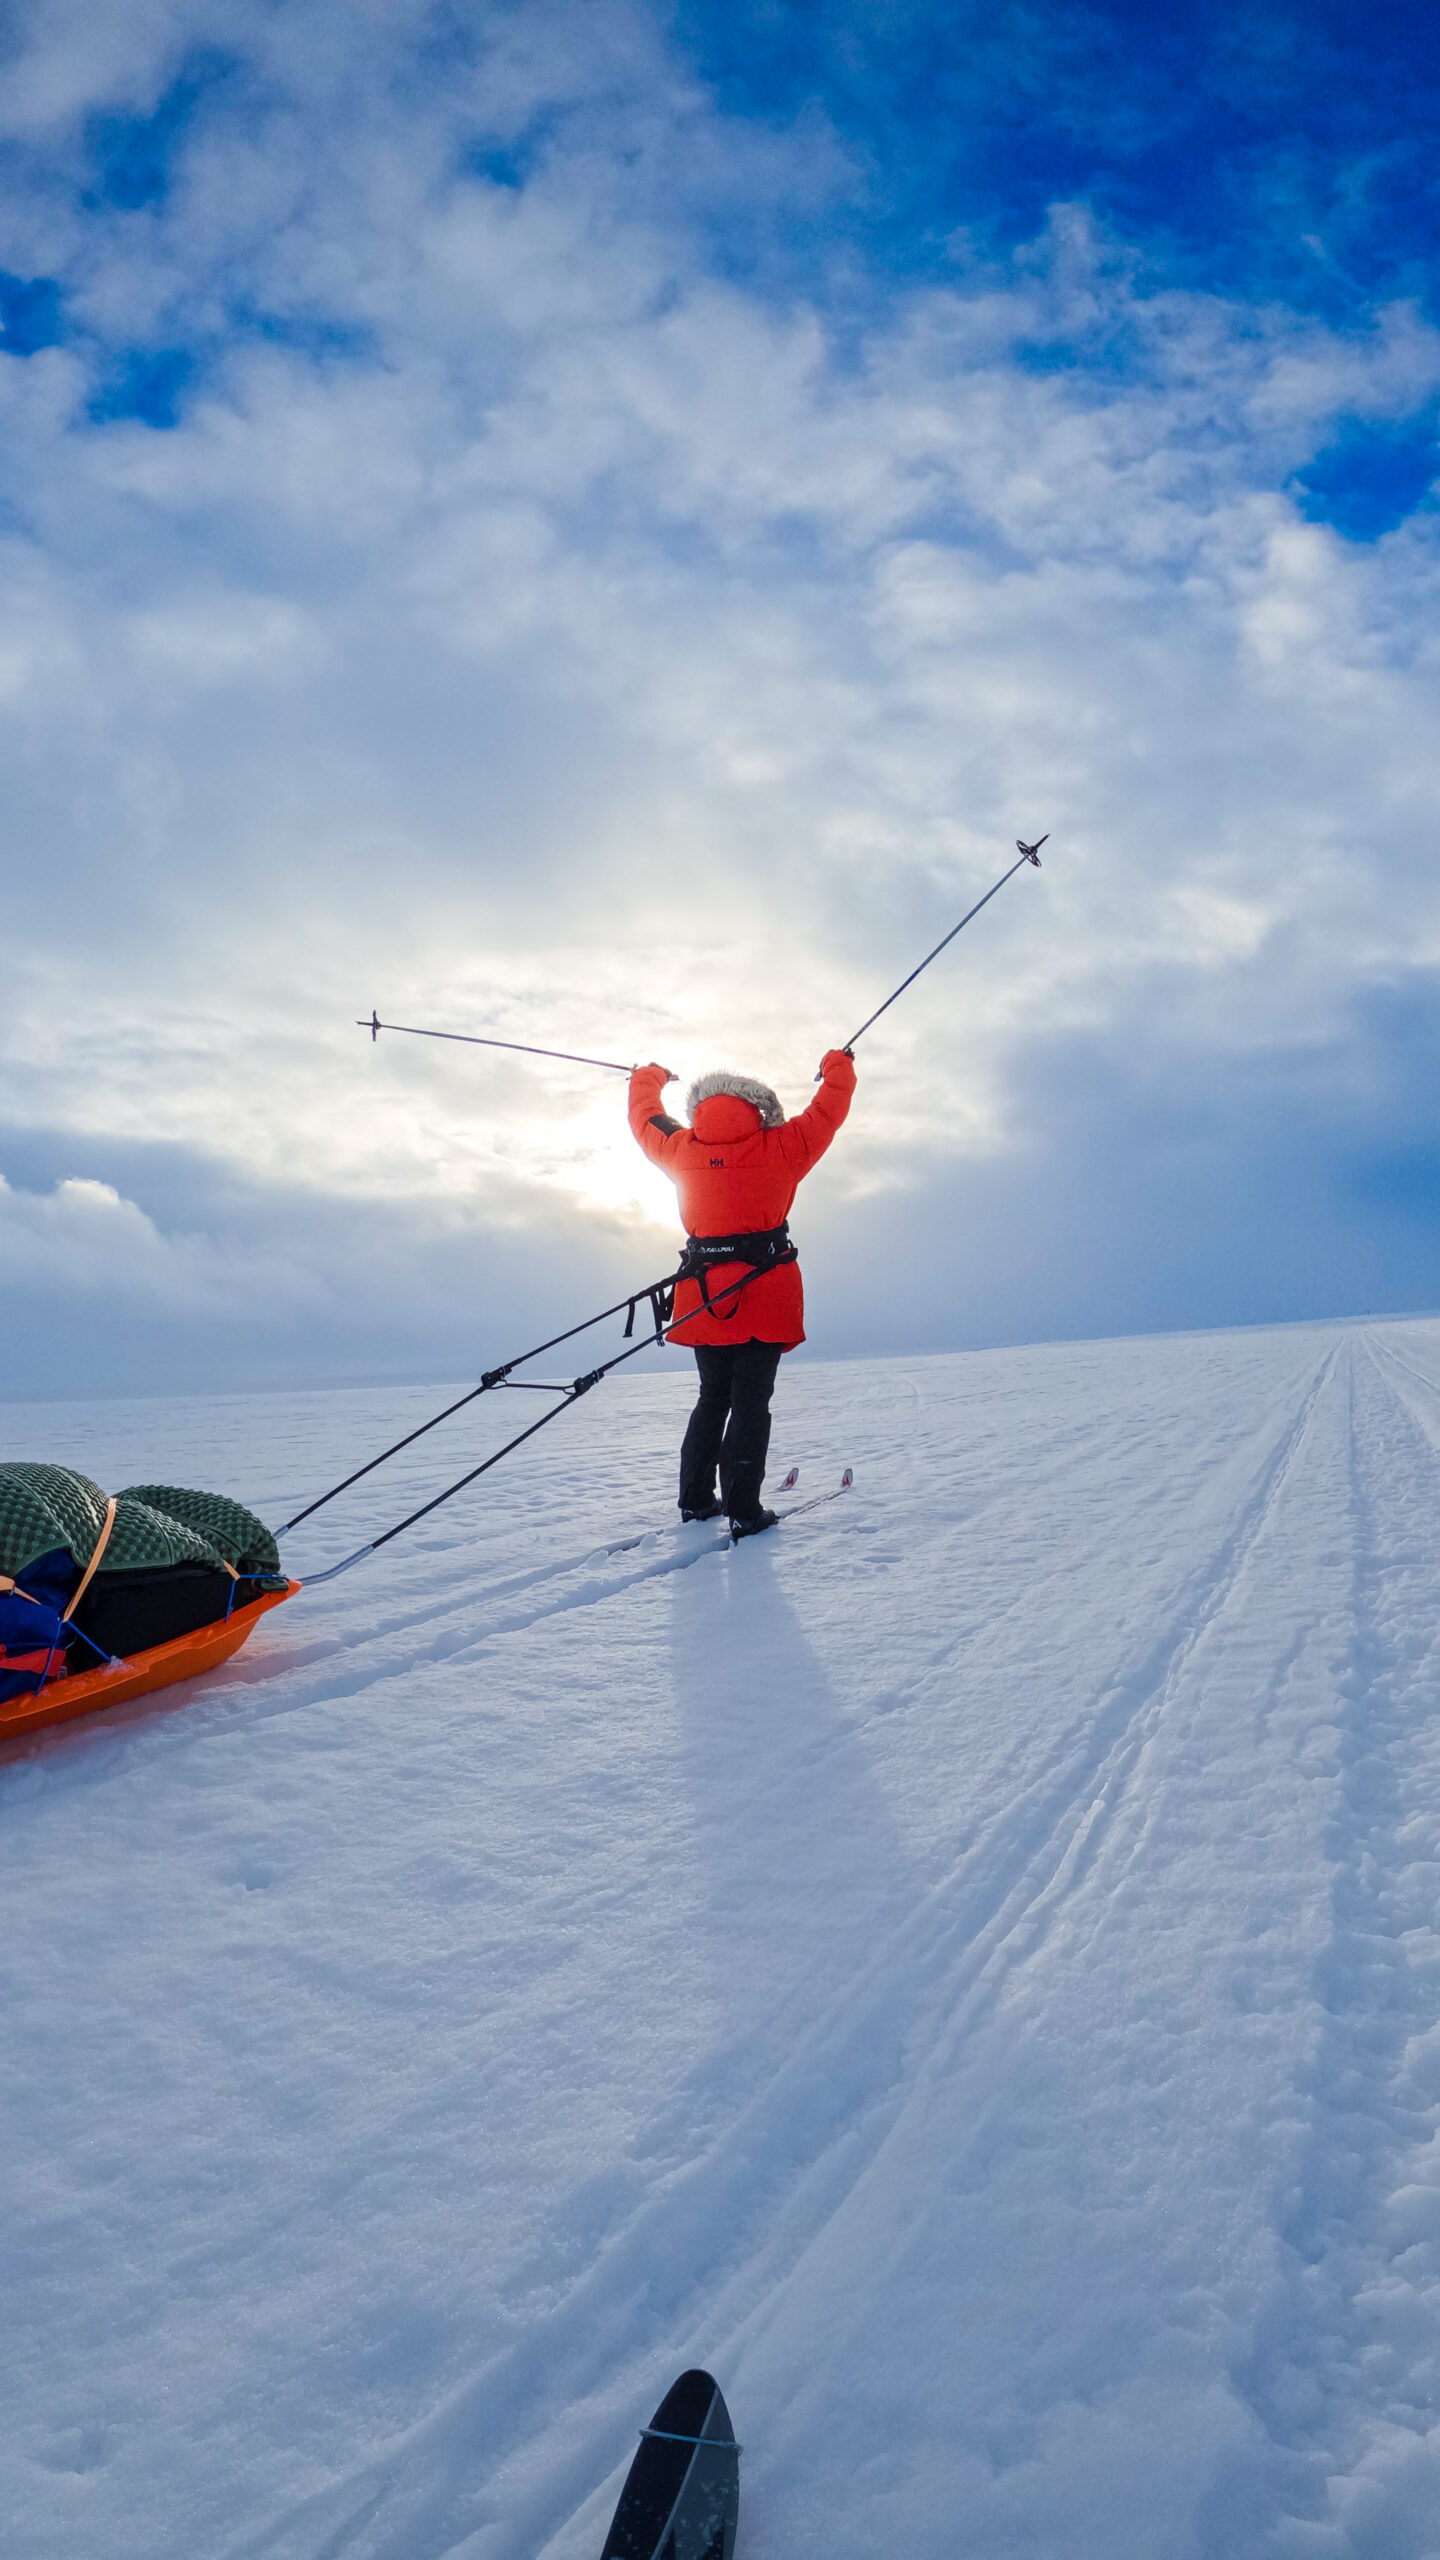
804, 1141
651, 1126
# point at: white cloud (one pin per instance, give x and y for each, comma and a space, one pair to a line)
83, 1240
592, 650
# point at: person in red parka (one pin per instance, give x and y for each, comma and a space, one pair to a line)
737, 1169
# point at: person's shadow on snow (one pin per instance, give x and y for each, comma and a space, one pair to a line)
796, 1858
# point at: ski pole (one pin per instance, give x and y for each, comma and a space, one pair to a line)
1027, 853
481, 1040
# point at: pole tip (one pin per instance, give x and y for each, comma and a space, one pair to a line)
1031, 852
375, 1018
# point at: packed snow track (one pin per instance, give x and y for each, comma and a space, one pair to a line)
964, 1968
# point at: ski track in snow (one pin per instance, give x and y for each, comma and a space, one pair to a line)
1351, 2361
976, 1988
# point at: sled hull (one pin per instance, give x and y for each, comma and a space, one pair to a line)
159, 1666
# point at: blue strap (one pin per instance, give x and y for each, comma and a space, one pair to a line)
713, 2444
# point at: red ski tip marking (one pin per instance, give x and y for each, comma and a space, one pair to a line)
791, 1480
816, 1502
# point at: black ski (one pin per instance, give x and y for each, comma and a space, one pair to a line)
682, 2497
624, 1546
816, 1499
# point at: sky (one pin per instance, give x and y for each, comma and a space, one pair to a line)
601, 523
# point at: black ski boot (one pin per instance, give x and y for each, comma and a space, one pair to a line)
751, 1528
703, 1511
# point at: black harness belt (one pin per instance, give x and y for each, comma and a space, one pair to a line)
765, 1250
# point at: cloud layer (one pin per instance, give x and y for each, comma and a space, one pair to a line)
485, 536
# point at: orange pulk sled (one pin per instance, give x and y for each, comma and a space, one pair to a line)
107, 1598
155, 1666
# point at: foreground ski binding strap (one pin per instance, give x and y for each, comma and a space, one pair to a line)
681, 2500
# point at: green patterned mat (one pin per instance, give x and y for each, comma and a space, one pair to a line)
226, 1526
42, 1508
45, 1507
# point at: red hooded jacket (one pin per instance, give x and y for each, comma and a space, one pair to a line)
736, 1177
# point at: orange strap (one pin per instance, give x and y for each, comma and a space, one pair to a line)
6, 1583
100, 1545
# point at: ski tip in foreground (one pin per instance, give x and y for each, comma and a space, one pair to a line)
681, 2499
847, 1479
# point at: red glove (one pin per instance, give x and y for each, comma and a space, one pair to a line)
838, 1067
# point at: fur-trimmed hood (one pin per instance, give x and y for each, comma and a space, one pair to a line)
744, 1088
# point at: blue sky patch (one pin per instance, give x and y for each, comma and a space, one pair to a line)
147, 383
509, 159
30, 314
499, 165
1274, 149
134, 157
1369, 480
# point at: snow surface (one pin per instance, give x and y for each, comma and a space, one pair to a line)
965, 1968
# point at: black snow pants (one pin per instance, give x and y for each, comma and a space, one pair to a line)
730, 1426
